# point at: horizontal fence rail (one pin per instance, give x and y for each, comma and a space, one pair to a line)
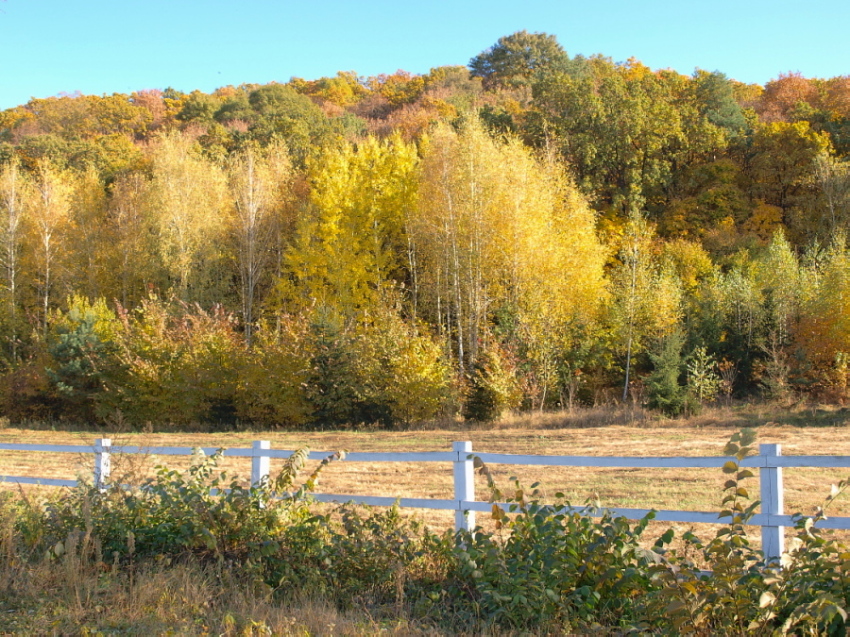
770, 462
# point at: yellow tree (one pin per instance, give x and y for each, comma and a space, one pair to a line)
50, 212
188, 197
260, 184
90, 237
824, 327
551, 265
499, 231
134, 256
350, 242
14, 195
454, 224
646, 299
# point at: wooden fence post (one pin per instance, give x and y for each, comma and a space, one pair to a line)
772, 503
102, 462
259, 463
464, 481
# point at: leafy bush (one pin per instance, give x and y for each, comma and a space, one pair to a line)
493, 386
178, 364
380, 370
202, 512
742, 594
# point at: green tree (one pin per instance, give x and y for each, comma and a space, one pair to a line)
715, 98
282, 112
664, 389
516, 59
83, 351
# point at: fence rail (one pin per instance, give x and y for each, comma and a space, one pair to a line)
770, 462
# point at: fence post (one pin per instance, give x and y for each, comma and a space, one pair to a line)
102, 462
464, 480
772, 503
259, 463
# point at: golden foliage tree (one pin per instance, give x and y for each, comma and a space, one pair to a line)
187, 194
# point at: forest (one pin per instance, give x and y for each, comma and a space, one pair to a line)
533, 231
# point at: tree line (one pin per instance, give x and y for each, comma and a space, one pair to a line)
532, 232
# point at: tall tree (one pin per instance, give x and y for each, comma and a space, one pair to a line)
90, 235
188, 195
517, 58
14, 195
260, 182
135, 259
518, 244
351, 243
646, 299
50, 218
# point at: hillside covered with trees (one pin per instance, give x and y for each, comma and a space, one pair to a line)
530, 232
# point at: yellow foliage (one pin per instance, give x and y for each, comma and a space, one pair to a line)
765, 221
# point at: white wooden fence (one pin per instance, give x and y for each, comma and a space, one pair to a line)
770, 462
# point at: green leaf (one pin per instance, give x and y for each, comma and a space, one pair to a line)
730, 467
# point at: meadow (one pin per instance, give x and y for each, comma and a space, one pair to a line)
590, 432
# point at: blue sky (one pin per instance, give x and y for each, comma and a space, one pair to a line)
106, 46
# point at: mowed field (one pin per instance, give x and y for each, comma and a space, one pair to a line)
686, 489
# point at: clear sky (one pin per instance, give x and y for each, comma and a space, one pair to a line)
105, 46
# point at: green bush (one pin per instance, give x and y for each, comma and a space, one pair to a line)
735, 591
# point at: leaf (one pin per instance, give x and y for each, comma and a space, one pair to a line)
767, 598
745, 473
730, 467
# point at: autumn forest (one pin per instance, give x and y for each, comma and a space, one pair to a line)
533, 231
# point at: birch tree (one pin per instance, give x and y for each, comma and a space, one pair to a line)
51, 206
498, 230
14, 195
187, 193
646, 299
259, 186
135, 257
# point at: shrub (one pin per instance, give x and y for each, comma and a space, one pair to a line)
493, 386
742, 594
179, 365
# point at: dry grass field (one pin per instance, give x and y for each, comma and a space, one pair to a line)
592, 433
